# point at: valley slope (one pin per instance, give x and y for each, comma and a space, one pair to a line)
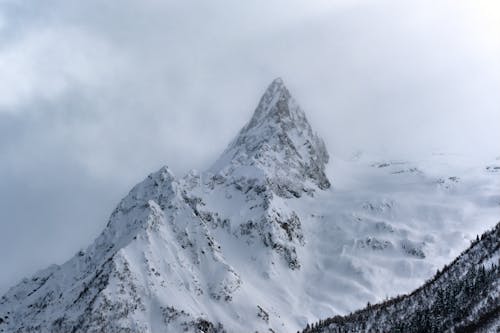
462, 297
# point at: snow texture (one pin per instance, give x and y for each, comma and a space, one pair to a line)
463, 297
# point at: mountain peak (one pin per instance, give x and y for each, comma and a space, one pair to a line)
279, 142
274, 105
276, 84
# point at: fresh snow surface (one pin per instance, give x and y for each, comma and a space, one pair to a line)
464, 296
270, 237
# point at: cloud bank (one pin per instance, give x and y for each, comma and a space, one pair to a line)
96, 94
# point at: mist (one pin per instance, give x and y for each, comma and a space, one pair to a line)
95, 95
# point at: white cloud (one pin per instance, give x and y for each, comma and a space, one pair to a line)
44, 64
94, 94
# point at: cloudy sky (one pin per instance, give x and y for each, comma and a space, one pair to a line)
96, 94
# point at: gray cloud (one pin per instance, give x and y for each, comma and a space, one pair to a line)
96, 94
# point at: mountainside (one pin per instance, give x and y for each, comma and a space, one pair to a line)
463, 297
262, 240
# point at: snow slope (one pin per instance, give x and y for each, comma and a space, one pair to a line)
463, 297
262, 240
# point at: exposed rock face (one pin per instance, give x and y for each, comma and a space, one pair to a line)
277, 156
279, 143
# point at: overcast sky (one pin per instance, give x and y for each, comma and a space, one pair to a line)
94, 95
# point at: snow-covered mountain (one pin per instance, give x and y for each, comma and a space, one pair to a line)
262, 240
463, 297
